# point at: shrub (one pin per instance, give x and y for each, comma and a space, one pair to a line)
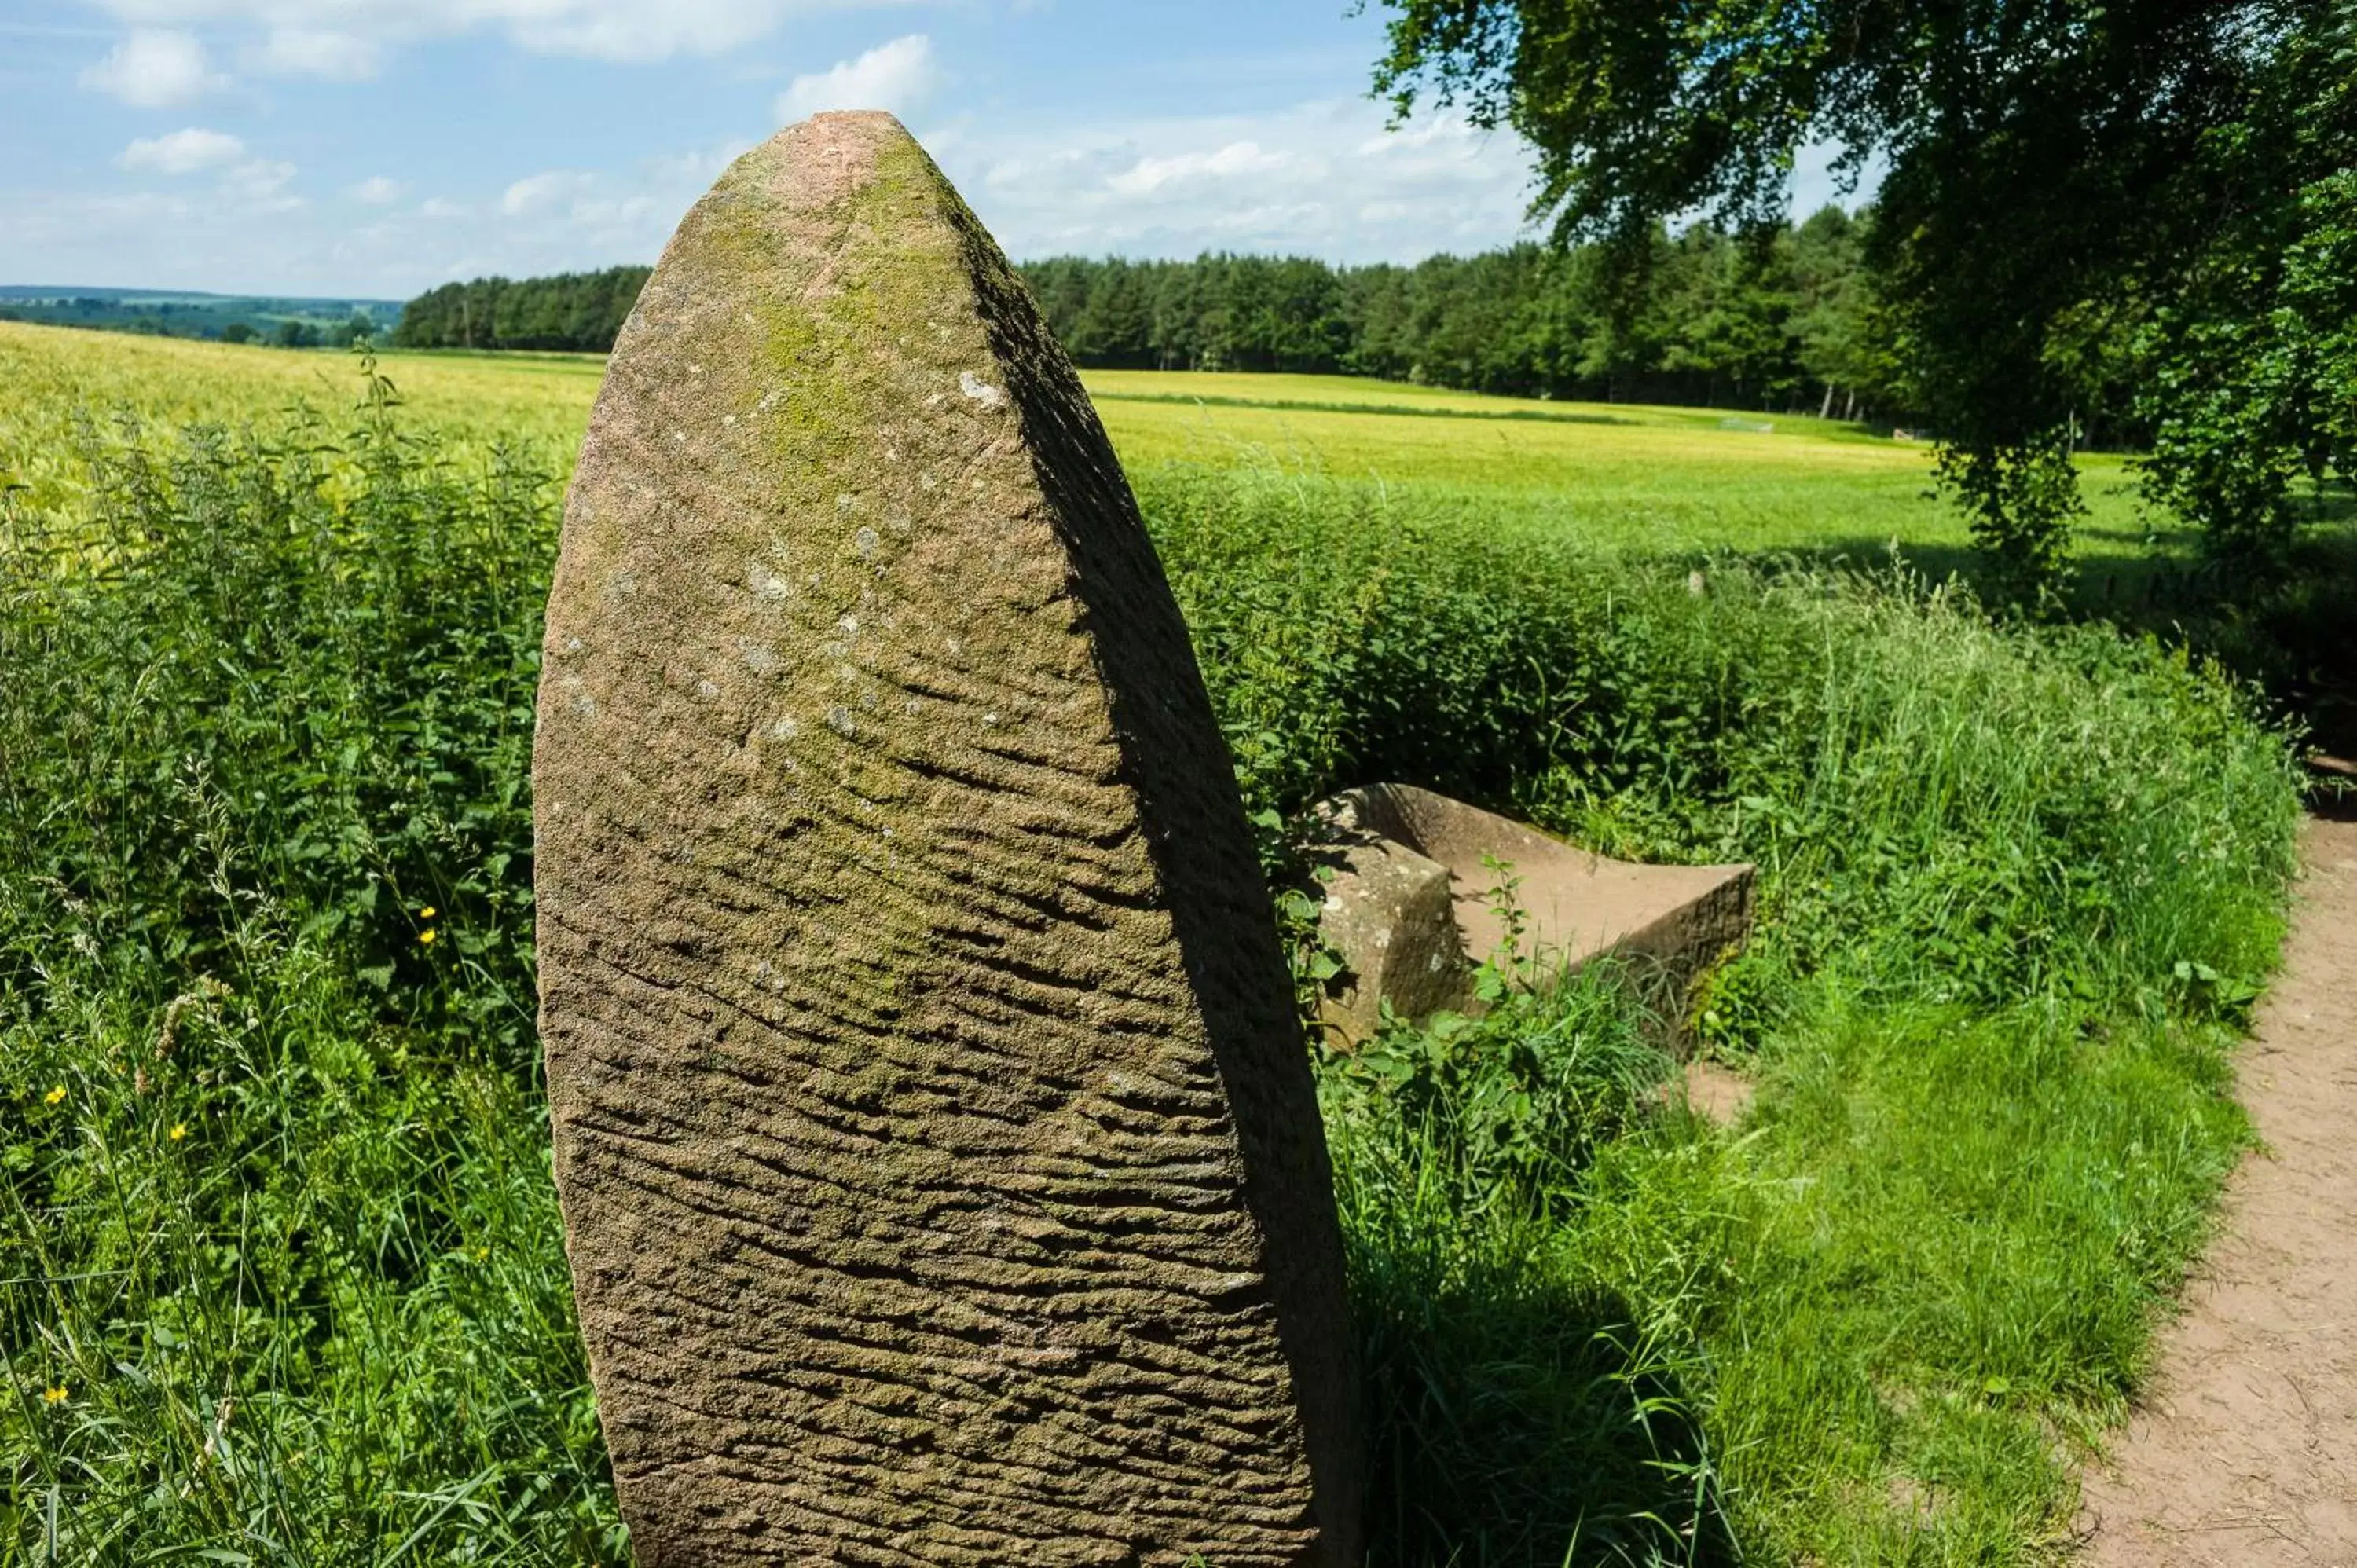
1943, 807
285, 1274
273, 1140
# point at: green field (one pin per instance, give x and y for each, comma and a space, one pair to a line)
51, 379
1649, 481
285, 1281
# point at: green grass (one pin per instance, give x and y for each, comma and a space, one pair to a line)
1652, 482
2018, 888
1645, 481
2015, 888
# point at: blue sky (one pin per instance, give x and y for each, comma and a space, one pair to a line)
376, 147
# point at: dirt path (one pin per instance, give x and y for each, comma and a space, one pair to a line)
2244, 1453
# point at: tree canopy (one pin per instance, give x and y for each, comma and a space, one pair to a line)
1775, 318
2088, 206
1778, 319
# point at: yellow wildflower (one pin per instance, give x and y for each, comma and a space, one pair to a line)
55, 1396
179, 1131
426, 937
55, 1096
426, 913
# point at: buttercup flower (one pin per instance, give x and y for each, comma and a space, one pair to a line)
54, 1396
426, 938
427, 913
55, 1096
179, 1131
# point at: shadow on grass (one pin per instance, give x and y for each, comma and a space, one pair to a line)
1522, 1427
2288, 634
2134, 590
2332, 788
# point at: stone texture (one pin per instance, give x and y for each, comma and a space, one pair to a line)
1390, 912
1670, 923
941, 1168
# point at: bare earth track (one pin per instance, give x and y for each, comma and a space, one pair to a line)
2245, 1450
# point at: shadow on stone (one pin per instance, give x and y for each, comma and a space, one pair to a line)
941, 1172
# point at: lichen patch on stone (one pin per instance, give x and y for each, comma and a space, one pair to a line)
866, 1269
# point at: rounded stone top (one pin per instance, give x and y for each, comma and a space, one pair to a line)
941, 1172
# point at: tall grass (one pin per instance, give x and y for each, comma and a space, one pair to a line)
2018, 886
284, 1271
285, 1281
1944, 807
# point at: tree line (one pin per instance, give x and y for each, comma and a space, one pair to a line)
581, 311
1777, 317
2106, 208
293, 334
1772, 318
287, 324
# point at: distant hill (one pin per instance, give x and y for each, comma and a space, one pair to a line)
290, 320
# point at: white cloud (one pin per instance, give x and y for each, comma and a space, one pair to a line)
604, 29
1236, 159
1322, 179
592, 220
240, 226
261, 183
214, 242
249, 184
310, 51
376, 191
541, 192
191, 151
154, 68
901, 76
691, 172
640, 30
569, 219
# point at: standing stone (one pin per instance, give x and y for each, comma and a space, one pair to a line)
941, 1172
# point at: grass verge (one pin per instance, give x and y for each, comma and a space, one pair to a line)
286, 1281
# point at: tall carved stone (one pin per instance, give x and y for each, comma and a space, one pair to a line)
942, 1175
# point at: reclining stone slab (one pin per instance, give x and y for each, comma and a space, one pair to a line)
1411, 903
941, 1167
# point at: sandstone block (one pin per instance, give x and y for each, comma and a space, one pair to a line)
1670, 922
941, 1168
1390, 912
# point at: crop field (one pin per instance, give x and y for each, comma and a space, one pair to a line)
1657, 481
283, 1274
52, 379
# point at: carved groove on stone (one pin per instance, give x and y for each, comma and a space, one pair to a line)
939, 1163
